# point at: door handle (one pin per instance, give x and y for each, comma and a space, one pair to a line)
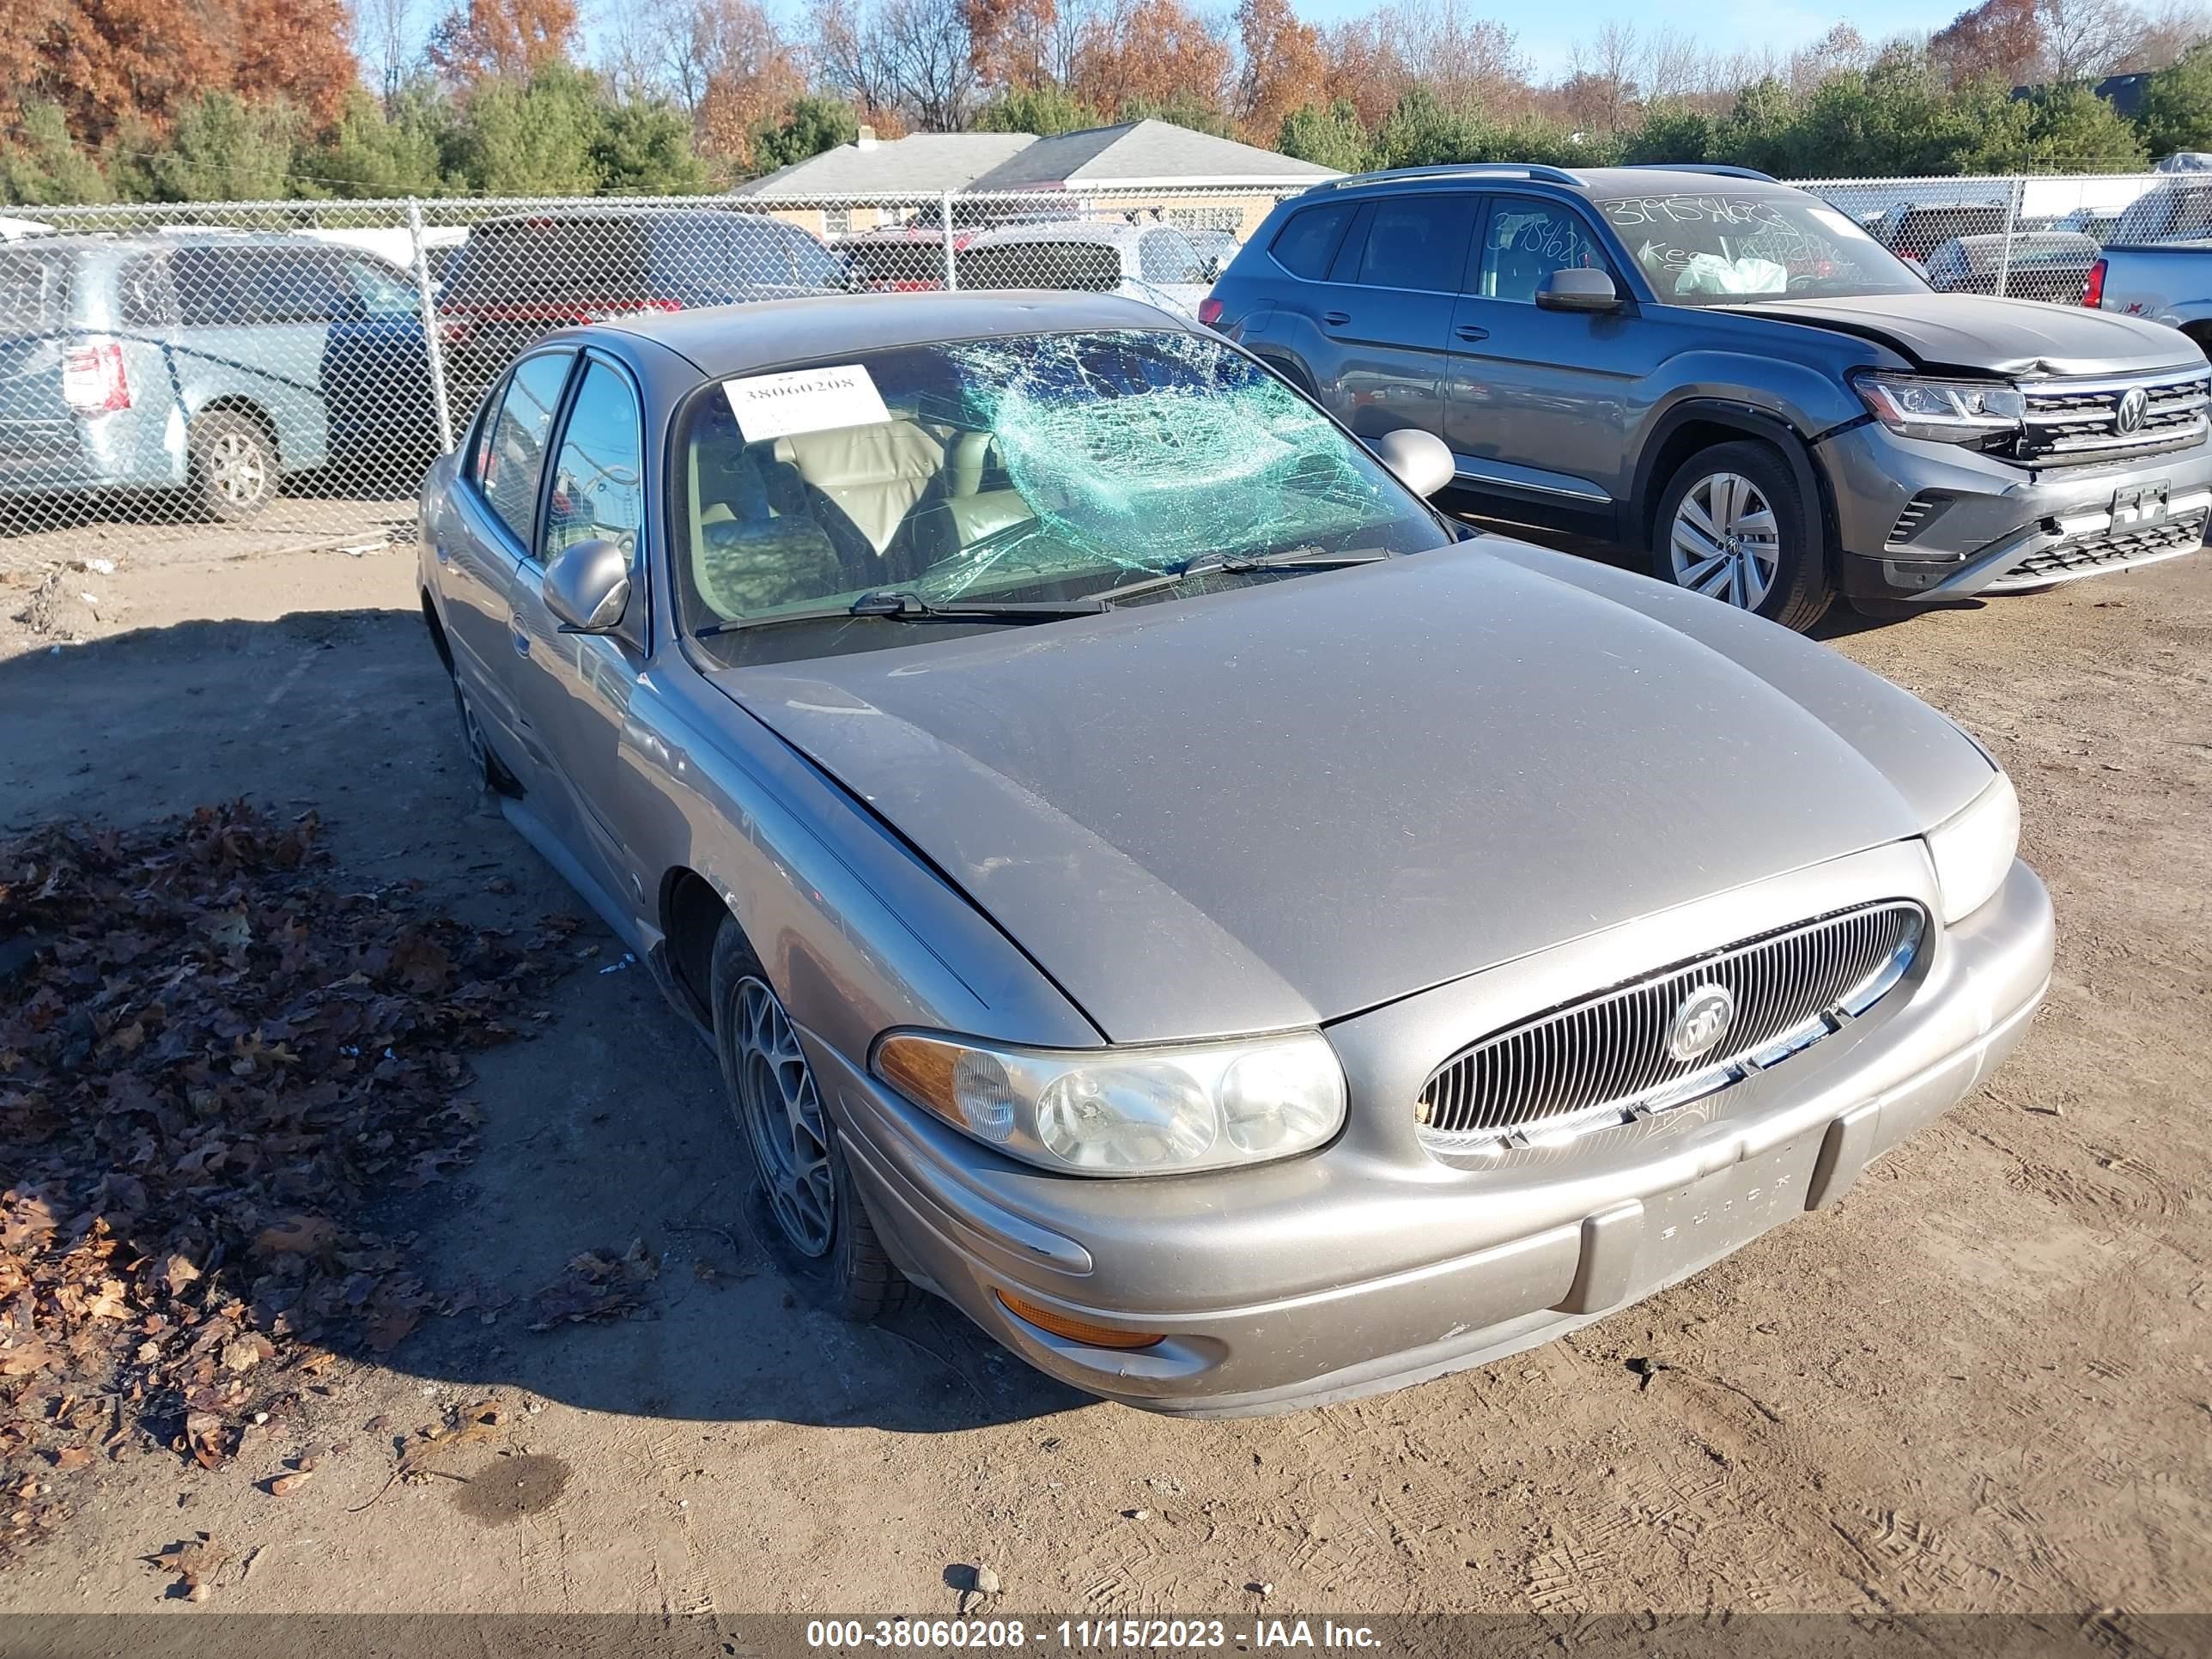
1469, 331
445, 554
519, 640
1336, 319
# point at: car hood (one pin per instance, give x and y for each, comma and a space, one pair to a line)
1273, 806
1992, 336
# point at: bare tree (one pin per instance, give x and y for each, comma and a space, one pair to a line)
384, 36
1600, 93
2167, 33
1671, 66
909, 59
2083, 39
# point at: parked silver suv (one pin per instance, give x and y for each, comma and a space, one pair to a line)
1734, 374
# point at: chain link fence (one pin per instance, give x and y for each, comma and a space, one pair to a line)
222, 379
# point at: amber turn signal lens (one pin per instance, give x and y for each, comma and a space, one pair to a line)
1075, 1330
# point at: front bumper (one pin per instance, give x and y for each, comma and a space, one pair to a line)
1358, 1269
1920, 520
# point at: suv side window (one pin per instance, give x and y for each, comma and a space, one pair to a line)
207, 297
288, 285
1166, 256
380, 290
513, 457
1526, 241
1308, 240
143, 288
1416, 242
598, 474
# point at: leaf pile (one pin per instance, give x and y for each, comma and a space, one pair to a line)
210, 1061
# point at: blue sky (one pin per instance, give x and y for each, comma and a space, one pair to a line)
1547, 35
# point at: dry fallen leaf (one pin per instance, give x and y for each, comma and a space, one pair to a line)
194, 1561
213, 1060
285, 1485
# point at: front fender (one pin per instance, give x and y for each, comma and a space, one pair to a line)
857, 932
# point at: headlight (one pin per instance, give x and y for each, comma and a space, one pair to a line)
1127, 1111
1974, 848
1948, 411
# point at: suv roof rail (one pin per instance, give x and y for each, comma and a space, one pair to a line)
1721, 169
1531, 170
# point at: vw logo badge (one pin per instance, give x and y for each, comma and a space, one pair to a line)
1701, 1021
2133, 406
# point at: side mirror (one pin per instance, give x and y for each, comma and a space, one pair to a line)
1422, 460
1574, 288
1212, 270
587, 587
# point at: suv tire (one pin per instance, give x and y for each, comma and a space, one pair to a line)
234, 463
806, 1213
1734, 524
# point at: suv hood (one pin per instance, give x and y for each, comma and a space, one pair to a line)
1264, 808
1990, 336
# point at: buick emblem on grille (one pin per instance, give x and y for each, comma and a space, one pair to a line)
2133, 406
1701, 1021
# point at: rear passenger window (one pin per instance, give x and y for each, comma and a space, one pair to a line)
143, 290
206, 296
1418, 243
513, 457
285, 285
1307, 242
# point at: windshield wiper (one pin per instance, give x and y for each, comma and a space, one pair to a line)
903, 606
1209, 564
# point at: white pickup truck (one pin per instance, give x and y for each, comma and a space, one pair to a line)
2169, 282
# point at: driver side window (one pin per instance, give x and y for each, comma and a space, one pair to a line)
1526, 240
598, 474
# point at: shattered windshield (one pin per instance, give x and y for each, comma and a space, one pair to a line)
1035, 468
1716, 250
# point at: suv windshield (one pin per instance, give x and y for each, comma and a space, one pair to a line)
1031, 468
1721, 248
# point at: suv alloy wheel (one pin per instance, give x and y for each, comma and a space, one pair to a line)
1734, 525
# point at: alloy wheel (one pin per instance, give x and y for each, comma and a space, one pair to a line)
474, 749
782, 1114
237, 469
1725, 542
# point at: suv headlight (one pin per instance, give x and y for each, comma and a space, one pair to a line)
1974, 848
1127, 1111
1947, 411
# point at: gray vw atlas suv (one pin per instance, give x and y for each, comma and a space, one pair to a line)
1732, 374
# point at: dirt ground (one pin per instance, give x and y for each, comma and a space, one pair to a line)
1984, 1382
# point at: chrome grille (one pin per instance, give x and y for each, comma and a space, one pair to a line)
2111, 550
1606, 1057
2072, 423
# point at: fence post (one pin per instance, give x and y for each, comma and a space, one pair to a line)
2014, 191
944, 225
433, 348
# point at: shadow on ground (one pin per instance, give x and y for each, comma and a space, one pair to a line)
604, 1126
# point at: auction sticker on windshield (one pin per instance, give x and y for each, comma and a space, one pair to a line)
805, 400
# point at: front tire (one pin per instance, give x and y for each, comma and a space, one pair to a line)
809, 1216
1735, 526
234, 462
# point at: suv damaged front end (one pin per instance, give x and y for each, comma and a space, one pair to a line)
1960, 485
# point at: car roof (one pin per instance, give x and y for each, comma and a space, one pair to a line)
1116, 234
724, 340
1585, 181
158, 239
578, 212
